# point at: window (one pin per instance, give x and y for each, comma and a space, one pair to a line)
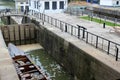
22, 8
117, 3
54, 5
27, 8
46, 5
61, 4
37, 4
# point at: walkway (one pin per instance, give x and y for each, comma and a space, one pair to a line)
7, 69
93, 27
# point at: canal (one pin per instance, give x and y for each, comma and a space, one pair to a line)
49, 65
40, 57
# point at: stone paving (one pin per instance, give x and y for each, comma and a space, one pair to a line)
93, 27
7, 69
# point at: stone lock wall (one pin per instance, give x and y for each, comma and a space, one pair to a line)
74, 60
19, 34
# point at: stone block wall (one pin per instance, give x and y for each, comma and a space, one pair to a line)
74, 60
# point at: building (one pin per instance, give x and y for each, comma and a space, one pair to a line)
47, 6
110, 2
22, 5
93, 1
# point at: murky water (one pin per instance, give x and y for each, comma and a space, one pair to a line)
7, 4
49, 65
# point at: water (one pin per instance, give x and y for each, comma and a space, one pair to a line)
49, 65
7, 4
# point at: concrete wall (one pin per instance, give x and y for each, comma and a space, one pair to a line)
74, 60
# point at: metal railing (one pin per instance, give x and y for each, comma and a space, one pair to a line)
80, 32
91, 14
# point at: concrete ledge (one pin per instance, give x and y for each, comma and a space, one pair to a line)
7, 69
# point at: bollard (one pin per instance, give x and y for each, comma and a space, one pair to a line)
84, 32
79, 32
103, 25
65, 27
117, 50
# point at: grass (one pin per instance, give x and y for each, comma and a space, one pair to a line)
101, 21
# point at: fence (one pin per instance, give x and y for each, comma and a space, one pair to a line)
81, 33
78, 12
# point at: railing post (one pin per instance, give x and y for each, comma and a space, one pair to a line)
117, 50
60, 26
14, 35
96, 41
51, 20
78, 31
83, 32
24, 35
108, 47
29, 35
86, 37
43, 17
48, 19
71, 30
65, 27
55, 22
8, 33
19, 34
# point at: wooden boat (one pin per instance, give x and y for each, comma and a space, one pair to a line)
25, 68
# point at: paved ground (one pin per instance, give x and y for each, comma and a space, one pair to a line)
7, 69
93, 27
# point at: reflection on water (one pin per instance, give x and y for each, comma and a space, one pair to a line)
49, 65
